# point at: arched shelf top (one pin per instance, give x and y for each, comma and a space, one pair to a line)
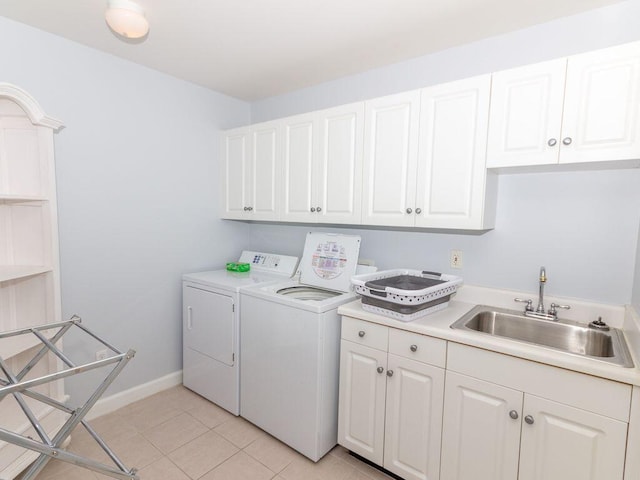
29, 105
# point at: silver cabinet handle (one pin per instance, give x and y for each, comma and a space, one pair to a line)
409, 210
389, 373
380, 369
418, 211
566, 141
319, 209
513, 414
189, 318
361, 333
528, 419
552, 142
313, 209
413, 348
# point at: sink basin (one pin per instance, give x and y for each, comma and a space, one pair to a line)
566, 336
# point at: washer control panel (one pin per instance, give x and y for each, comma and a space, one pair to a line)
269, 262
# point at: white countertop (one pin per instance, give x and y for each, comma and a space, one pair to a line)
438, 325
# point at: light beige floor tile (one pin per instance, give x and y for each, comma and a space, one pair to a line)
240, 467
183, 398
72, 473
108, 427
134, 452
271, 452
163, 469
210, 414
203, 454
329, 467
175, 433
149, 412
368, 470
239, 432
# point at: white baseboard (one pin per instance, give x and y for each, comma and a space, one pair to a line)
124, 398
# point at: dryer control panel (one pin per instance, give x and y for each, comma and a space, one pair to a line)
270, 262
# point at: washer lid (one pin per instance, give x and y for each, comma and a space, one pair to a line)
329, 260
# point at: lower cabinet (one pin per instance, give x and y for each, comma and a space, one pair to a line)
495, 417
492, 432
390, 409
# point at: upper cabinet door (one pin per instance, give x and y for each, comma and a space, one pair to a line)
265, 163
300, 139
236, 159
390, 156
451, 163
526, 115
338, 179
602, 106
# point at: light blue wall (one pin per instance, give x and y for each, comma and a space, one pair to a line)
137, 177
635, 298
582, 226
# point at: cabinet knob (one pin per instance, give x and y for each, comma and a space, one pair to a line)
566, 141
418, 211
319, 209
313, 209
246, 209
361, 333
413, 348
379, 369
528, 419
250, 209
409, 210
513, 414
389, 373
552, 142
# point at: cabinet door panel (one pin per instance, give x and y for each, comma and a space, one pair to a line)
299, 145
390, 156
480, 441
237, 167
565, 442
526, 115
602, 106
265, 178
413, 419
339, 172
451, 163
362, 400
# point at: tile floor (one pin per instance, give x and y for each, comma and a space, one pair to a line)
178, 435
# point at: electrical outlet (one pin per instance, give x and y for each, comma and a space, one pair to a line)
102, 354
456, 258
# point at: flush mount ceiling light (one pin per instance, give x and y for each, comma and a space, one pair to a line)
126, 18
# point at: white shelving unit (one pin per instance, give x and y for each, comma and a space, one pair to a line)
29, 259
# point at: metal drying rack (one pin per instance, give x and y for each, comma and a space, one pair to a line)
51, 447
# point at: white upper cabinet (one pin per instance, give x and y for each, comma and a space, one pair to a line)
582, 109
526, 115
390, 159
602, 106
251, 157
323, 165
338, 185
452, 186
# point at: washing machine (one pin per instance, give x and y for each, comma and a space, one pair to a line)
290, 343
211, 322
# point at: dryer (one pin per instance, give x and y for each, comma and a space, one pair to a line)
290, 343
211, 323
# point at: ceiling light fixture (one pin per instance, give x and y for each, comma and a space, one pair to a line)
126, 18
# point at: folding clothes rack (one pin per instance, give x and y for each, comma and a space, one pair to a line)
14, 384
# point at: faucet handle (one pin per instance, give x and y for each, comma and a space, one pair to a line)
554, 308
528, 301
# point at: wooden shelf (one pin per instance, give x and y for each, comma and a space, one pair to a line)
15, 272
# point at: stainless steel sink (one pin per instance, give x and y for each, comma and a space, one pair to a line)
566, 336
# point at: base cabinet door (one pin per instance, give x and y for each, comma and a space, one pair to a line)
413, 422
362, 400
560, 442
480, 436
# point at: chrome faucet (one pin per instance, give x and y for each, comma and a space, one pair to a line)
539, 312
543, 280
